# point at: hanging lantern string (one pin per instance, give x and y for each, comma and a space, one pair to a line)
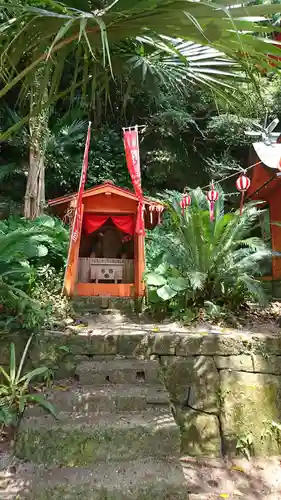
242, 184
235, 174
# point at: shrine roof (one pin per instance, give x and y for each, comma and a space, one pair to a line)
106, 187
269, 154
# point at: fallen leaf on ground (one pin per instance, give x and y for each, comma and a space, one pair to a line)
238, 467
38, 388
224, 495
61, 388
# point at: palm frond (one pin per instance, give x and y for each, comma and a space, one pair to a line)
54, 35
9, 170
66, 134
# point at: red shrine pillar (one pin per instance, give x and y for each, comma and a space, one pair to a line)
275, 216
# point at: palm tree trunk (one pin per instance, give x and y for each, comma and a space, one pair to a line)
34, 195
34, 200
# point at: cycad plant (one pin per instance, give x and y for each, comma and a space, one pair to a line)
15, 386
198, 262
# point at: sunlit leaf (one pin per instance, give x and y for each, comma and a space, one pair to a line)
40, 400
178, 284
37, 372
166, 292
12, 363
154, 279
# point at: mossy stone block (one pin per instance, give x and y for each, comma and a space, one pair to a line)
192, 381
250, 363
250, 403
209, 344
75, 444
128, 344
200, 434
164, 343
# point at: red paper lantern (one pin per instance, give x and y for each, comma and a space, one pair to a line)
185, 202
242, 183
212, 196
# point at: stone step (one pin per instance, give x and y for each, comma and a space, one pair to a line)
220, 496
146, 479
76, 440
103, 304
109, 398
250, 495
119, 371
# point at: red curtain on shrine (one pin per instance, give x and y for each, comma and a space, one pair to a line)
124, 222
92, 222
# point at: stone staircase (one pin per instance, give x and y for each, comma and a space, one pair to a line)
115, 438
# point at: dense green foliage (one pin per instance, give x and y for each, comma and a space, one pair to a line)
180, 90
187, 140
32, 255
118, 64
198, 263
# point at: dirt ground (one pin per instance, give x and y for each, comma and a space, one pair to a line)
251, 318
261, 319
214, 479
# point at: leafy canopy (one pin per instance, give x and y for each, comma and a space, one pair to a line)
178, 40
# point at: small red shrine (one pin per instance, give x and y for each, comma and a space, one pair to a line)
108, 257
266, 186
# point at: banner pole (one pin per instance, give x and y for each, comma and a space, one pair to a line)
77, 222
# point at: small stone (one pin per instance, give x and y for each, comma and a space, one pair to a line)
68, 321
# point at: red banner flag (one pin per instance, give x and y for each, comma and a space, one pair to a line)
77, 222
131, 144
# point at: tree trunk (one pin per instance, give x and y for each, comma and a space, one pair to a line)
34, 200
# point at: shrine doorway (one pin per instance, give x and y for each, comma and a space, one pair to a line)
106, 254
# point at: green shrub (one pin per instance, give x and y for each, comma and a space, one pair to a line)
32, 257
194, 263
15, 390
